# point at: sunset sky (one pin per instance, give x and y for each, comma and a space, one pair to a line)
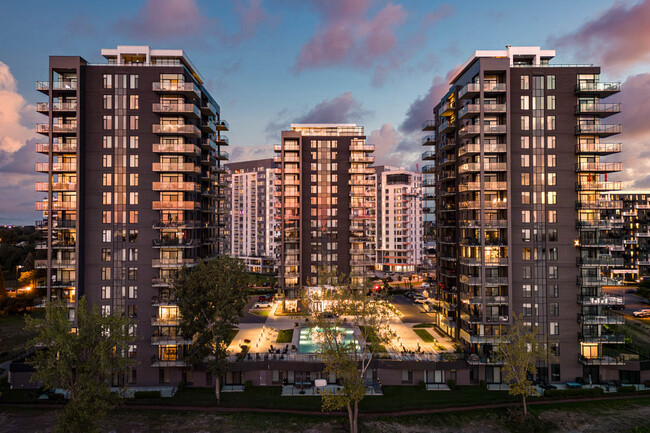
272, 62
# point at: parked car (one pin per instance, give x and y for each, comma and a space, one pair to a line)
420, 300
425, 285
264, 298
410, 294
262, 305
642, 313
631, 291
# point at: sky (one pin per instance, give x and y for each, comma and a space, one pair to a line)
380, 64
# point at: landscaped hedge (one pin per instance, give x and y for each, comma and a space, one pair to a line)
626, 388
146, 394
567, 393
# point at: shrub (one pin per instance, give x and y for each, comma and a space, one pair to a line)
565, 393
248, 385
451, 384
626, 388
516, 422
483, 384
146, 394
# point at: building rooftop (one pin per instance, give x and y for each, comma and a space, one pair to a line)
327, 128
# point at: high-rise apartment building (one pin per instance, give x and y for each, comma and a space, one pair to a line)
399, 233
133, 191
253, 202
327, 204
518, 146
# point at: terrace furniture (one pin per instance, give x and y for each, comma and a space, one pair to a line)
573, 385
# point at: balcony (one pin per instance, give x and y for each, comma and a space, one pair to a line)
429, 125
469, 131
429, 140
596, 109
447, 126
56, 148
177, 186
176, 129
606, 299
599, 167
171, 361
172, 262
429, 155
469, 90
186, 89
599, 148
356, 169
603, 339
222, 125
447, 108
495, 129
600, 130
606, 319
599, 186
486, 204
189, 110
208, 108
368, 159
360, 147
56, 264
598, 89
44, 107
186, 148
62, 85
488, 186
222, 156
165, 321
189, 167
222, 140
57, 186
469, 111
208, 126
599, 204
56, 205
57, 167
166, 340
57, 128
470, 167
180, 205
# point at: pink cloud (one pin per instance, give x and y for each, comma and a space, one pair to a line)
251, 17
348, 35
167, 19
422, 108
618, 37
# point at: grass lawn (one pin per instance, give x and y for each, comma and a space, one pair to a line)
264, 313
285, 336
424, 335
13, 335
424, 325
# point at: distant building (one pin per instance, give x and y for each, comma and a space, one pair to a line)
400, 245
253, 229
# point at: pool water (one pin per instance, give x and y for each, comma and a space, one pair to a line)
310, 338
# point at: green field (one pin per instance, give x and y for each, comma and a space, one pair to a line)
13, 335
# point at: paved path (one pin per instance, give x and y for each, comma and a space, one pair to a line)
361, 414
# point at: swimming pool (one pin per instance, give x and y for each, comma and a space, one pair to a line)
310, 338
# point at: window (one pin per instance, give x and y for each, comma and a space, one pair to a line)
525, 142
106, 292
525, 103
525, 216
550, 82
133, 81
528, 309
525, 123
551, 179
407, 376
107, 161
525, 235
107, 142
551, 197
108, 81
134, 122
106, 254
134, 102
550, 123
107, 197
552, 159
555, 349
133, 160
552, 272
133, 217
525, 253
106, 236
554, 309
554, 328
554, 291
552, 254
133, 292
108, 102
525, 179
555, 369
526, 291
525, 82
107, 179
106, 310
525, 160
108, 122
550, 102
525, 197
133, 274
550, 142
133, 197
134, 142
106, 216
526, 271
552, 216
133, 235
133, 179
106, 274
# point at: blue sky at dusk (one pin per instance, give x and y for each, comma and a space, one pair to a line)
272, 62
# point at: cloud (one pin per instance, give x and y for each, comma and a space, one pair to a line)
170, 20
618, 37
348, 35
13, 110
422, 108
341, 109
393, 148
248, 153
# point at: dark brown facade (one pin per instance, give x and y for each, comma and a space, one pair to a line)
133, 191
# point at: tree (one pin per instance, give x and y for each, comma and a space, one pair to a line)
211, 298
368, 316
3, 284
644, 289
519, 354
81, 360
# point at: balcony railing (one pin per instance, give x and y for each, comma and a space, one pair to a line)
56, 147
57, 186
429, 125
172, 262
173, 128
56, 205
599, 166
177, 87
598, 129
175, 148
597, 87
176, 167
188, 109
601, 110
429, 140
599, 148
176, 186
44, 107
44, 86
61, 128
